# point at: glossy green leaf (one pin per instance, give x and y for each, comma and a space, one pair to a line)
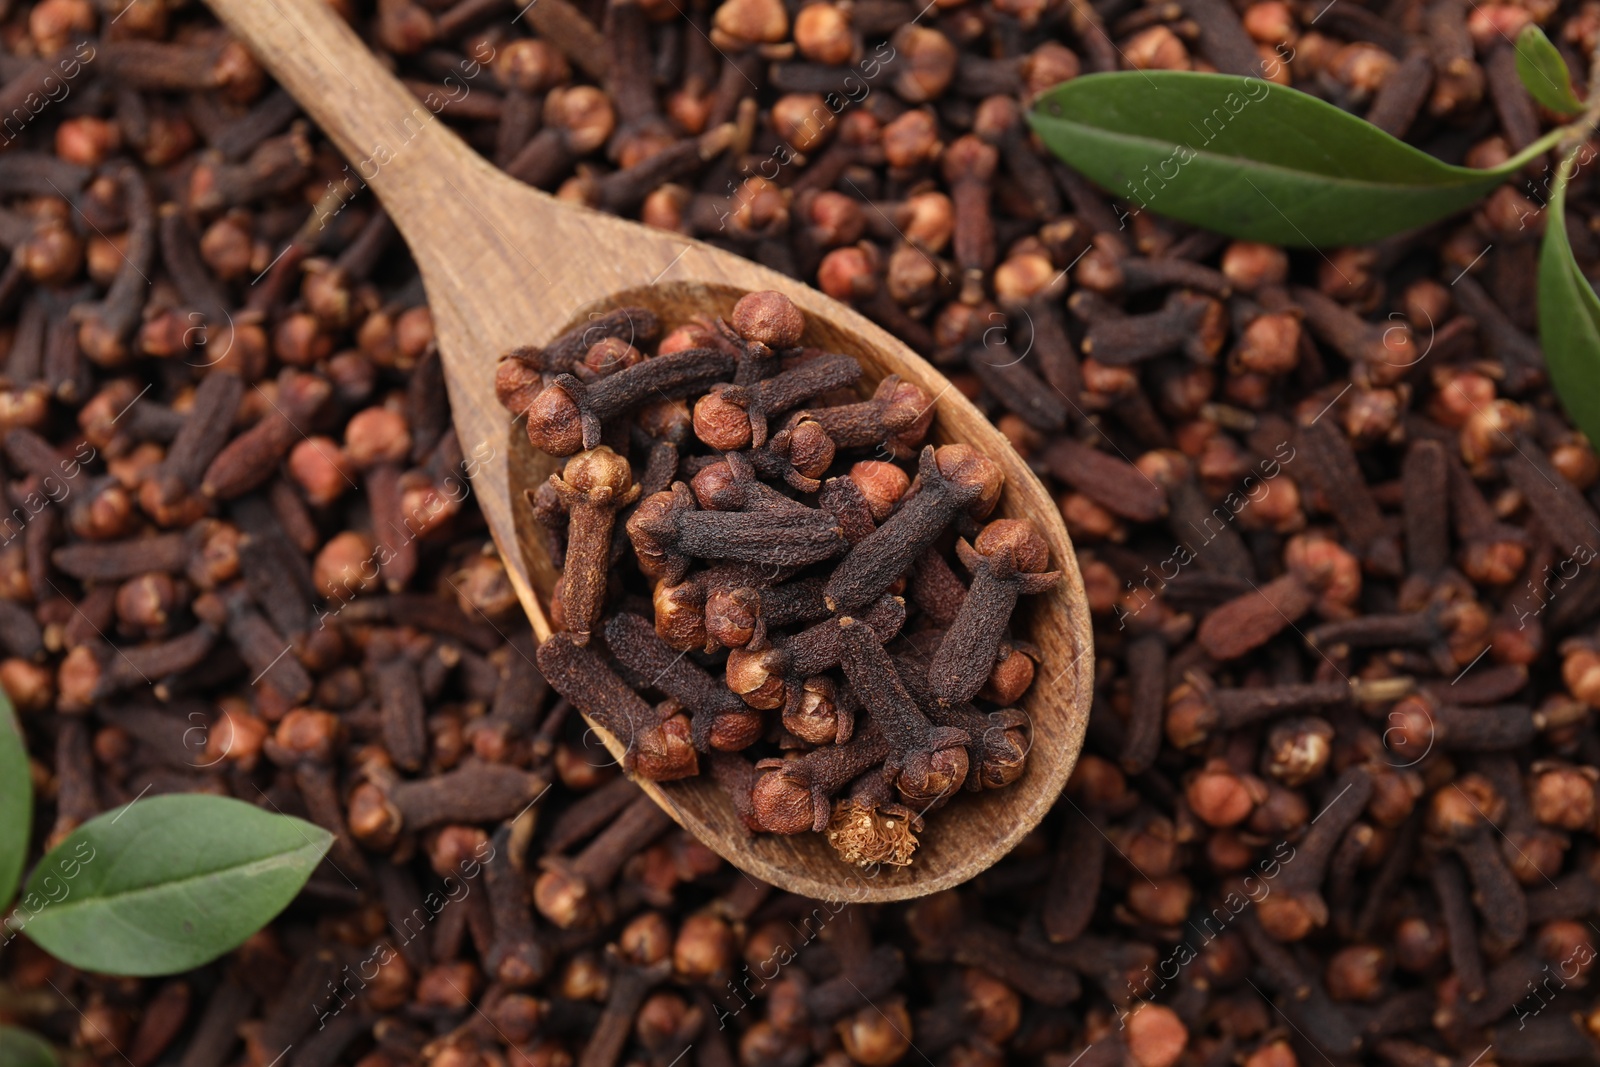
20, 1048
168, 883
1544, 72
1569, 318
16, 801
1252, 159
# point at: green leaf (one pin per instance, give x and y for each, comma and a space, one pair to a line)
1252, 159
1569, 317
20, 1048
1544, 72
16, 801
166, 884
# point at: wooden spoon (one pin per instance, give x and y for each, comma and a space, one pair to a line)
506, 265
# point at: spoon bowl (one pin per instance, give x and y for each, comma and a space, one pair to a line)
505, 265
974, 829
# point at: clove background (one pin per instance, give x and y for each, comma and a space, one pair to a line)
1338, 798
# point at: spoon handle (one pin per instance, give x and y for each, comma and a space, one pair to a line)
394, 141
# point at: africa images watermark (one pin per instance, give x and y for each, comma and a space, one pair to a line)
406, 129
1581, 557
430, 908
1231, 106
54, 87
448, 495
833, 105
56, 888
785, 953
53, 490
1224, 513
1538, 191
1231, 907
1579, 958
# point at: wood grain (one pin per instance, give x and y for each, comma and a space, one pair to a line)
505, 265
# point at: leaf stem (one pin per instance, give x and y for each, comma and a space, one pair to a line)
1551, 139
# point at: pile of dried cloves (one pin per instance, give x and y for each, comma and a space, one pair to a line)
241, 555
819, 585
